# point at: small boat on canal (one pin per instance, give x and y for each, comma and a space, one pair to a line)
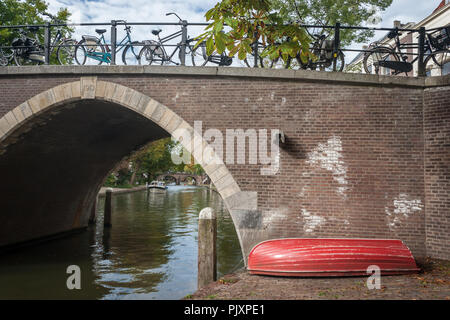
330, 257
157, 186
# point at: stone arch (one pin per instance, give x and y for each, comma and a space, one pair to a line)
90, 88
166, 177
193, 177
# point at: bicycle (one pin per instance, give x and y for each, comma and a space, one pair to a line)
200, 58
65, 51
154, 52
393, 58
264, 61
6, 56
29, 50
97, 51
324, 56
322, 49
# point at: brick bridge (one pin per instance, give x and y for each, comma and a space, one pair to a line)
363, 156
179, 177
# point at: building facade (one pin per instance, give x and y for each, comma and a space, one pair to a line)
438, 18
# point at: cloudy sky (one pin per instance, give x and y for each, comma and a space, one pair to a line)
194, 10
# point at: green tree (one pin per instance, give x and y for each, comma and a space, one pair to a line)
248, 22
151, 161
28, 12
154, 159
328, 12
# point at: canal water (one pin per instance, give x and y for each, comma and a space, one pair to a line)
150, 252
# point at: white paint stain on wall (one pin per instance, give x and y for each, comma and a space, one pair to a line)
310, 222
329, 156
178, 95
403, 207
278, 216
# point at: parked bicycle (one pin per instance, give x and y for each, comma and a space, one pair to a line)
323, 53
200, 57
393, 58
6, 56
154, 52
29, 50
322, 50
94, 50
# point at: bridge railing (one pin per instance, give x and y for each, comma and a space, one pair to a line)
417, 51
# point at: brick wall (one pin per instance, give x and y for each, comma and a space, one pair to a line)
437, 171
352, 164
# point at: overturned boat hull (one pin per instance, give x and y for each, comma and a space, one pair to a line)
330, 257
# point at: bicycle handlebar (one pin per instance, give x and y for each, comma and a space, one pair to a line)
170, 13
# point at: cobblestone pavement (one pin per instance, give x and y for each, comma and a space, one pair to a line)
432, 283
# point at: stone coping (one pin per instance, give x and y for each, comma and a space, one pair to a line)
301, 75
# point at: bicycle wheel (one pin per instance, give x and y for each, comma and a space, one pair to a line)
21, 59
89, 52
199, 57
6, 56
340, 63
372, 57
292, 63
151, 54
66, 52
277, 63
435, 62
250, 61
195, 56
130, 55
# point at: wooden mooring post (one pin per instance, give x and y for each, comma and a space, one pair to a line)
108, 208
207, 256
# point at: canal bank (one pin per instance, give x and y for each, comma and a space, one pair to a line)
432, 283
102, 191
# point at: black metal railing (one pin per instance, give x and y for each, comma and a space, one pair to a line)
183, 24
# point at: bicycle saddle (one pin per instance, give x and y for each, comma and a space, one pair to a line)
156, 31
100, 31
319, 36
392, 34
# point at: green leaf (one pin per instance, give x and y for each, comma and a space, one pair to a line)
242, 53
218, 26
209, 14
233, 51
220, 44
246, 45
210, 46
230, 22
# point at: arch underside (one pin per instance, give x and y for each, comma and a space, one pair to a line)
57, 148
52, 173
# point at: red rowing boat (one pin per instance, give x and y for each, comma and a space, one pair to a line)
330, 257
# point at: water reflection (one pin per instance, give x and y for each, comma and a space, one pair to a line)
150, 252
